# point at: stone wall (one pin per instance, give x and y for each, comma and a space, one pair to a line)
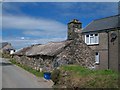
77, 53
36, 62
71, 28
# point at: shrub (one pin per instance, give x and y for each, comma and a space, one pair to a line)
74, 76
55, 76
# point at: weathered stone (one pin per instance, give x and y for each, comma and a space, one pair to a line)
71, 51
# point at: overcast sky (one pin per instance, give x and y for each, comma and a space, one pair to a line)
26, 23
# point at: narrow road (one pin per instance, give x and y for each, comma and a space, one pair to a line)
15, 77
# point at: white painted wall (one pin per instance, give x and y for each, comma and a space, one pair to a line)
11, 51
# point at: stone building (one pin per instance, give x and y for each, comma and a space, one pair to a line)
103, 36
54, 54
6, 48
95, 46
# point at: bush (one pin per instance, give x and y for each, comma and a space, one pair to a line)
74, 76
5, 55
55, 76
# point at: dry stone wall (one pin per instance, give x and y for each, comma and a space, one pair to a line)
36, 62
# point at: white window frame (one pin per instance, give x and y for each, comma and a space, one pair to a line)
97, 58
95, 38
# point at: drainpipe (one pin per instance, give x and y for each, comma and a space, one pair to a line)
108, 52
118, 51
108, 49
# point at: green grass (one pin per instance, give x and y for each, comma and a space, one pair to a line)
77, 69
85, 71
81, 77
85, 78
29, 69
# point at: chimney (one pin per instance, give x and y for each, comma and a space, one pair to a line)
73, 28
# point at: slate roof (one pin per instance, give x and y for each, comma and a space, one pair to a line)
49, 49
22, 51
103, 24
3, 44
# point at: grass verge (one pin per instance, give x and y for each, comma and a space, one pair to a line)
74, 76
29, 69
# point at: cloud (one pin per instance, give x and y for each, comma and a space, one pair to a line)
12, 7
30, 23
20, 43
50, 30
47, 34
22, 38
34, 26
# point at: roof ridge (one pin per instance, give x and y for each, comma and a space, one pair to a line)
88, 24
107, 17
57, 41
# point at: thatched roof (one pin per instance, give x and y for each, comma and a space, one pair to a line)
49, 49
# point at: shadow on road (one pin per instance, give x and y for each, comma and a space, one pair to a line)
5, 64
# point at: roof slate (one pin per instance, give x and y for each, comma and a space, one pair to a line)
4, 44
49, 49
103, 24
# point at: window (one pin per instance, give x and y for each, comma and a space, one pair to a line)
96, 38
91, 39
87, 38
91, 34
97, 61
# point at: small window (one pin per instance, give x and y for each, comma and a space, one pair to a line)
87, 35
96, 34
91, 34
96, 53
86, 38
97, 61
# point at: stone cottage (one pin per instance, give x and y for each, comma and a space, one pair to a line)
54, 54
103, 36
95, 46
6, 47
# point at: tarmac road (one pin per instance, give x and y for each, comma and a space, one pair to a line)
15, 77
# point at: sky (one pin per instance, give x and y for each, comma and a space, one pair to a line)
27, 23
